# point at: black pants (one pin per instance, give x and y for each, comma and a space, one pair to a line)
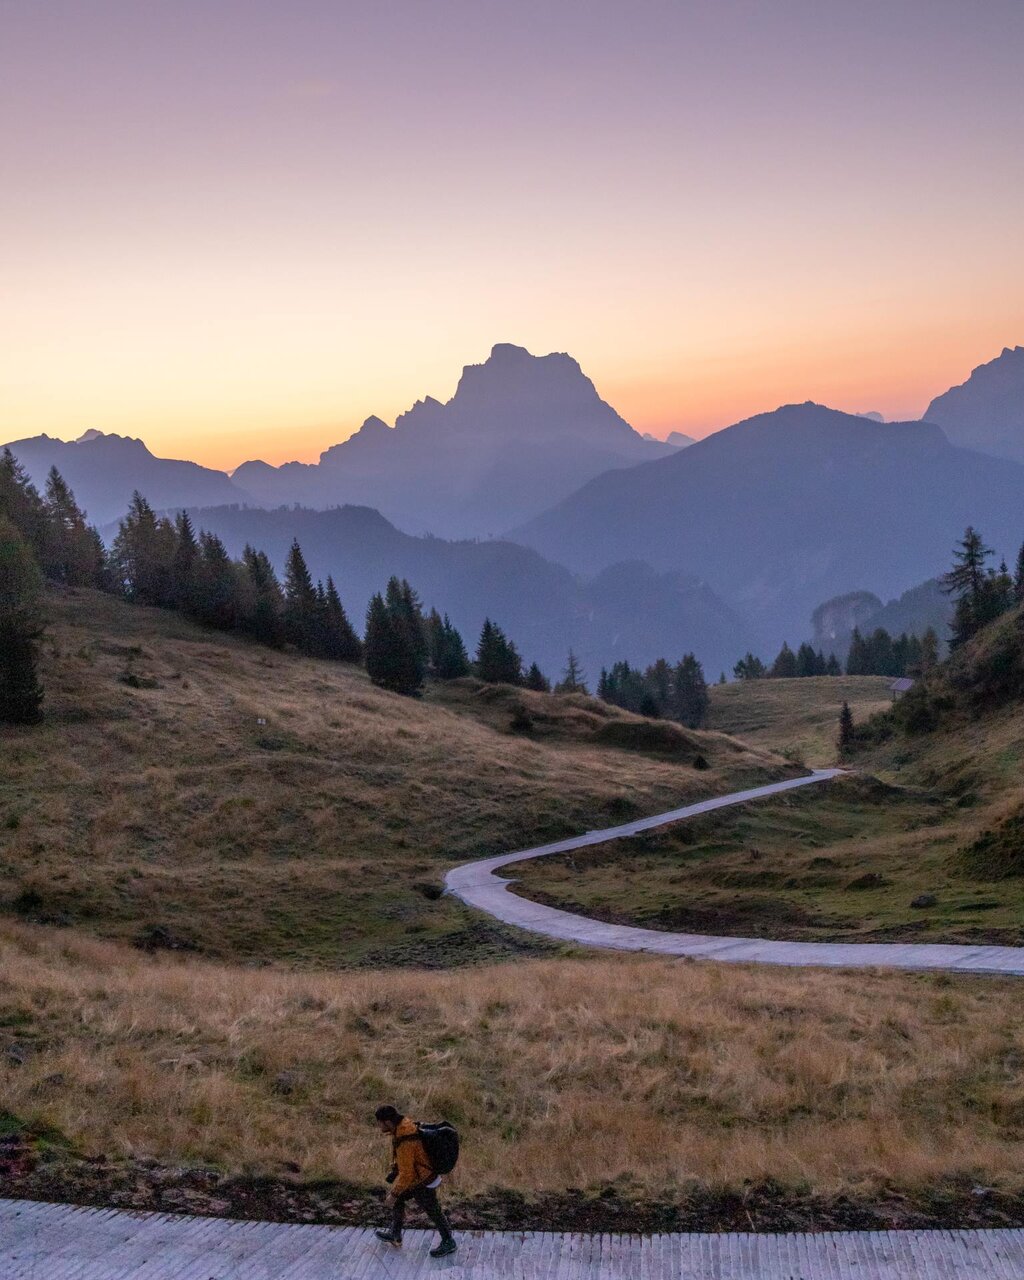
426, 1198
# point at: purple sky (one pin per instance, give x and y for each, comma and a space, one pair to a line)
238, 228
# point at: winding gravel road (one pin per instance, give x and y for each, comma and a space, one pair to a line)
476, 884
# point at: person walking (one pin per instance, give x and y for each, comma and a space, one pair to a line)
412, 1177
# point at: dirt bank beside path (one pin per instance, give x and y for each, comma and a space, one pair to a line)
57, 1177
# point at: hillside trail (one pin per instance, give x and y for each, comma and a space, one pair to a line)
477, 885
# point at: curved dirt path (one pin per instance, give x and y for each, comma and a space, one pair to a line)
475, 884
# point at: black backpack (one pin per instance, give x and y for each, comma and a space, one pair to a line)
441, 1143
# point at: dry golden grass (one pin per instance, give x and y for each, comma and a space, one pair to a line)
570, 1073
153, 797
797, 717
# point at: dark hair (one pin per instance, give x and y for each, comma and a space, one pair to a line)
389, 1114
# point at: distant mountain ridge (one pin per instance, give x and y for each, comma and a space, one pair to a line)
987, 411
788, 508
520, 433
627, 611
105, 469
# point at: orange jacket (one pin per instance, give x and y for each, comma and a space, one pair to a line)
410, 1159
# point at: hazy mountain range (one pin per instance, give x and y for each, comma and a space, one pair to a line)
629, 547
105, 470
789, 508
625, 611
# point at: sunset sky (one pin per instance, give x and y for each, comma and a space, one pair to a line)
238, 228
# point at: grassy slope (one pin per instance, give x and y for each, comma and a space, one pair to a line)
797, 717
579, 1073
847, 862
162, 807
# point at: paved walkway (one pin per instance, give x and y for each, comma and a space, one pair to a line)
57, 1242
476, 884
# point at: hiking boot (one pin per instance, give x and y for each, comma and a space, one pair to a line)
444, 1248
389, 1237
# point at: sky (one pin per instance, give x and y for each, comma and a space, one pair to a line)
236, 228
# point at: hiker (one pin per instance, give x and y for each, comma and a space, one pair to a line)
414, 1176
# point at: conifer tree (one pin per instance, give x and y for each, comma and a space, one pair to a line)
832, 667
972, 588
690, 692
264, 610
573, 678
806, 661
857, 660
71, 549
340, 640
301, 615
20, 628
784, 667
407, 613
749, 667
142, 557
538, 681
214, 597
845, 727
186, 559
390, 659
658, 682
1018, 577
497, 660
449, 659
23, 507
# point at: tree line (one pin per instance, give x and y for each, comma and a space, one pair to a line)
168, 564
662, 690
980, 594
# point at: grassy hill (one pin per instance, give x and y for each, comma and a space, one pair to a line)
924, 843
629, 1078
194, 792
190, 791
798, 718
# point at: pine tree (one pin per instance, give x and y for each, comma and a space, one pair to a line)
832, 667
659, 683
649, 707
390, 660
1018, 577
538, 681
858, 658
301, 616
71, 549
23, 507
690, 692
970, 586
340, 640
183, 570
497, 660
806, 661
449, 659
573, 678
845, 727
214, 599
142, 557
407, 613
749, 667
20, 628
263, 614
784, 667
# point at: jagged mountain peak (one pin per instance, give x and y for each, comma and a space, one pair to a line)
987, 411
